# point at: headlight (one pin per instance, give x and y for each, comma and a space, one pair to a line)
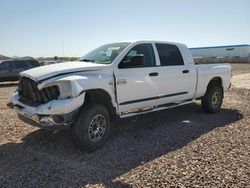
68, 88
51, 93
64, 87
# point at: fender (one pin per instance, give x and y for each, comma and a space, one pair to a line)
79, 83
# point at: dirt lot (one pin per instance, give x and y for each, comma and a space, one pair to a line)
179, 147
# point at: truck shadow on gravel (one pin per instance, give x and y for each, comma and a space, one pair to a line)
46, 159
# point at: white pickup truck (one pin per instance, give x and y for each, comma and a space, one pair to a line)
117, 80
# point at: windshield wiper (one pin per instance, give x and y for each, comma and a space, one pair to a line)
88, 60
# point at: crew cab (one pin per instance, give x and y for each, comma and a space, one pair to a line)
117, 80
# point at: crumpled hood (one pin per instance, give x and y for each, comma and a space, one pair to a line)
45, 72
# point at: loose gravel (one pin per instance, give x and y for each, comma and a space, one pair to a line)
182, 147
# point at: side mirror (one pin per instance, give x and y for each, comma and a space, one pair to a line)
135, 61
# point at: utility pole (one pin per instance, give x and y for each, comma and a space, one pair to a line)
63, 50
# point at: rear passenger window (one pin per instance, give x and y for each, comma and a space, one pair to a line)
20, 65
33, 63
169, 55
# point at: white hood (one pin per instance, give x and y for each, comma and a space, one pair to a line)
44, 72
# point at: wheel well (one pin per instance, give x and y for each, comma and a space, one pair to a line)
102, 97
216, 81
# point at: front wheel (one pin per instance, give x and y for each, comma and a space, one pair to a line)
212, 100
91, 128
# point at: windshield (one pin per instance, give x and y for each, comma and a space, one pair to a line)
105, 54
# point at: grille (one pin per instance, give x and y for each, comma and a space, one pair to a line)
30, 95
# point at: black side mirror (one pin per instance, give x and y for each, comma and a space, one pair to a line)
135, 61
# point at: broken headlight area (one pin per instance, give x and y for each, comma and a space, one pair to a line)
65, 88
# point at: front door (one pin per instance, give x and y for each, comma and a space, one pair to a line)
136, 83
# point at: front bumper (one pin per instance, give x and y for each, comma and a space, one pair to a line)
46, 121
56, 113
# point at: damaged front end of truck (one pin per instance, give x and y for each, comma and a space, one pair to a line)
47, 105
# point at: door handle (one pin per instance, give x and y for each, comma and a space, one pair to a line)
185, 71
153, 74
121, 81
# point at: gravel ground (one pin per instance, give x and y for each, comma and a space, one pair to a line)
241, 81
182, 147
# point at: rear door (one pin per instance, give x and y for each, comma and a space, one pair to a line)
136, 86
19, 66
33, 63
174, 74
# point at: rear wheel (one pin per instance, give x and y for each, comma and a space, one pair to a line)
91, 128
212, 100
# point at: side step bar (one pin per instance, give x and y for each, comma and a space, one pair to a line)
154, 109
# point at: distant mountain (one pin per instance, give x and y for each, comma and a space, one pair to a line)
14, 57
3, 57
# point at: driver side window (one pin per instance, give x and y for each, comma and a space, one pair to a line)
141, 55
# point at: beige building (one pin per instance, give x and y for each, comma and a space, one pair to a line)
222, 51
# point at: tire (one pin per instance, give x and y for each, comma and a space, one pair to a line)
91, 128
212, 100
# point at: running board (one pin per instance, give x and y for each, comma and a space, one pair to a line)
154, 109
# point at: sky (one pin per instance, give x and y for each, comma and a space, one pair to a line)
72, 28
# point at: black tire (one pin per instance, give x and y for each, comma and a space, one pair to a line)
83, 138
208, 100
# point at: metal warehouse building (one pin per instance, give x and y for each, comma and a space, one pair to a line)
222, 51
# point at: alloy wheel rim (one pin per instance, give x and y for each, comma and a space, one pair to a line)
216, 99
97, 127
